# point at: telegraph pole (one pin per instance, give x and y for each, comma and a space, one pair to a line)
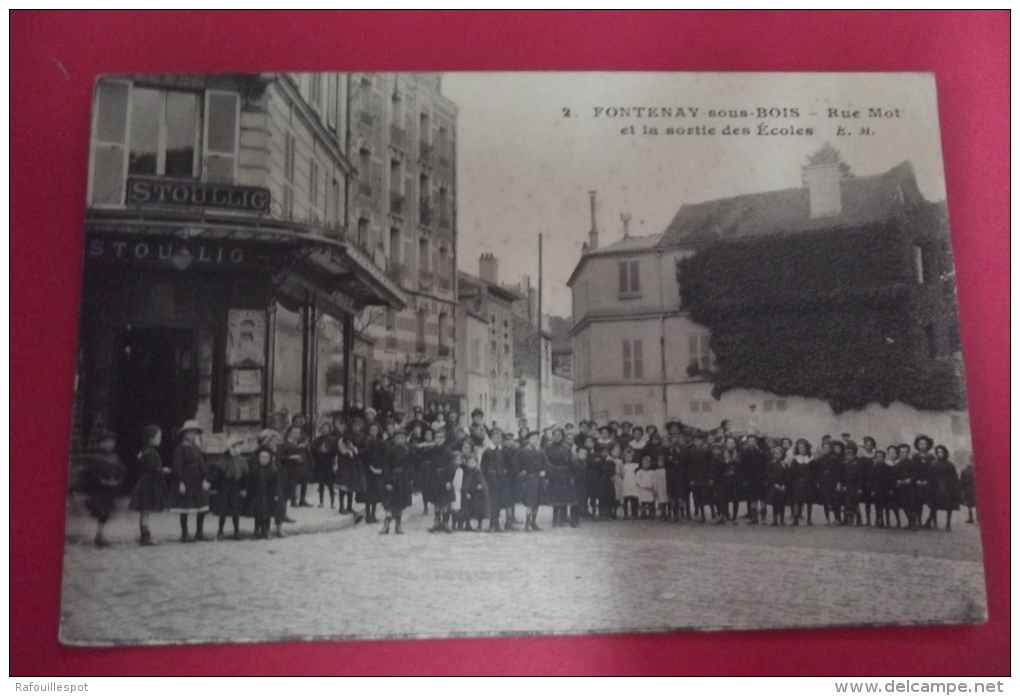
540, 403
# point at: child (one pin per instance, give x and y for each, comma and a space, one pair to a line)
104, 475
660, 487
474, 494
579, 477
629, 490
777, 476
945, 487
644, 481
190, 490
324, 449
700, 475
968, 489
456, 494
150, 493
881, 485
616, 458
398, 470
264, 492
228, 479
801, 482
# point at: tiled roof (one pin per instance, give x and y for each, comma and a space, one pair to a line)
628, 244
865, 199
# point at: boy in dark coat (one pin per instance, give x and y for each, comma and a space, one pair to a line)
104, 475
228, 479
397, 479
494, 470
324, 450
474, 495
263, 491
442, 471
945, 487
533, 465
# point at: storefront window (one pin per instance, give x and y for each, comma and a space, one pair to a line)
287, 362
329, 380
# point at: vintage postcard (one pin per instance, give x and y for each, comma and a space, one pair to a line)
369, 356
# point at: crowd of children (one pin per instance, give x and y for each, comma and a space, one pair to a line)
475, 477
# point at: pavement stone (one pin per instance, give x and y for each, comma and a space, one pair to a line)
332, 580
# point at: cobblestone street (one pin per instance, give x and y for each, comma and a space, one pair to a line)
331, 580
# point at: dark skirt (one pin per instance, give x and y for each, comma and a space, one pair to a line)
150, 494
193, 499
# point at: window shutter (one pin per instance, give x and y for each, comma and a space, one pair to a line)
635, 281
639, 367
624, 283
692, 348
626, 360
109, 142
222, 119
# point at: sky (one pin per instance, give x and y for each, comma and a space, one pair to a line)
524, 166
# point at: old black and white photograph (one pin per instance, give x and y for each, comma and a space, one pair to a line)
427, 355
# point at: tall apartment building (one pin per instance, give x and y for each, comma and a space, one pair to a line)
219, 283
402, 212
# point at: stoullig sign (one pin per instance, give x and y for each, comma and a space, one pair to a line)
196, 194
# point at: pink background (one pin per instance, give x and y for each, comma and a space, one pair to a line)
55, 57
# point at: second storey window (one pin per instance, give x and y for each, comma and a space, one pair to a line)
149, 131
633, 361
630, 281
699, 352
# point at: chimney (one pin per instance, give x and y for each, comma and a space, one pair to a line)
626, 224
593, 235
823, 182
488, 268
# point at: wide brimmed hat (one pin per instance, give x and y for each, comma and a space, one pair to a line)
267, 435
191, 425
235, 440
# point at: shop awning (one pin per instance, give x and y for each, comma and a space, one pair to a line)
320, 258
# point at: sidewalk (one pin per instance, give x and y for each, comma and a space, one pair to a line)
123, 526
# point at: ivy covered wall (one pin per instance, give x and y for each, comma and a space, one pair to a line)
837, 314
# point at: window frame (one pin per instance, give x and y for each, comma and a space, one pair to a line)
629, 279
633, 358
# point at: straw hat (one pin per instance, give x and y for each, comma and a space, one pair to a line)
191, 425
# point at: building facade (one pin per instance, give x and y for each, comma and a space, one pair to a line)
484, 298
639, 356
402, 144
219, 281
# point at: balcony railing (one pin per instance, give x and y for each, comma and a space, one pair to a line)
366, 118
445, 284
398, 137
420, 348
425, 152
391, 343
365, 189
397, 202
425, 280
444, 351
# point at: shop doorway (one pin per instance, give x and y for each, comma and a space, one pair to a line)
157, 381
